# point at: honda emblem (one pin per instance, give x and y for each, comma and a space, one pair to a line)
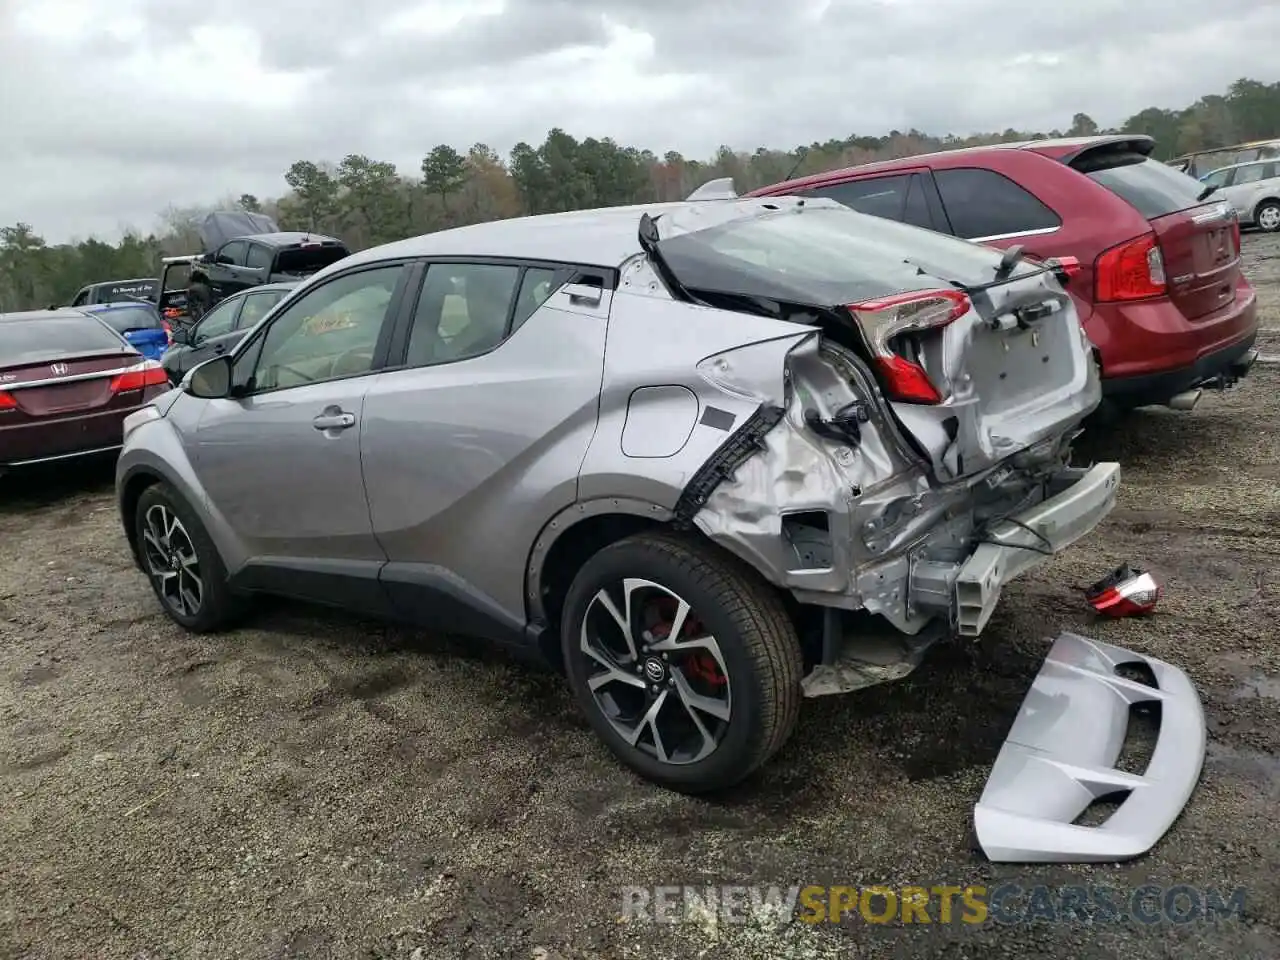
59, 369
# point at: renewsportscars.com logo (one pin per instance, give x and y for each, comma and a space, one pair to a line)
884, 904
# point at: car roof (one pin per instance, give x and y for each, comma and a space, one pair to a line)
61, 313
1057, 148
286, 238
605, 237
265, 288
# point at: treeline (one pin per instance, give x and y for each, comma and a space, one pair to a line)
367, 201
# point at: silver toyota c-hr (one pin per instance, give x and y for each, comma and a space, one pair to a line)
707, 457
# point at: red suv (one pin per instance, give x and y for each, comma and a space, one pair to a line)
1159, 288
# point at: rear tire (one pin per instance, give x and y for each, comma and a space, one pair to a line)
1267, 216
181, 562
703, 709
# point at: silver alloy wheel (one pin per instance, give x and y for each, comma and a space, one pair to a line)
656, 675
1269, 217
171, 561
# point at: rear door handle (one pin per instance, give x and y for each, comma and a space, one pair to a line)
334, 421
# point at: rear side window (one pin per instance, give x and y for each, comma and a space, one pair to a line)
899, 197
983, 205
464, 310
1250, 174
1154, 189
30, 341
259, 257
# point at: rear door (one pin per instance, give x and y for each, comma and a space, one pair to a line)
1197, 231
468, 445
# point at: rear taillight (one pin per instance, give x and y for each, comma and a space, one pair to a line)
888, 321
1133, 270
7, 401
1235, 236
140, 376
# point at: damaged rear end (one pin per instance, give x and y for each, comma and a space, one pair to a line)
912, 457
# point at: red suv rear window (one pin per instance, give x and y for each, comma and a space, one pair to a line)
1155, 189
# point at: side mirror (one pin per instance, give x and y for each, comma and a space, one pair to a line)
210, 380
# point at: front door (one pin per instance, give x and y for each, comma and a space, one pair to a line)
280, 459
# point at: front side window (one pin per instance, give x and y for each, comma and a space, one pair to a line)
233, 254
256, 306
875, 196
327, 333
1218, 178
464, 310
221, 319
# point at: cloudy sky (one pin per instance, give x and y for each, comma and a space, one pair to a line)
110, 110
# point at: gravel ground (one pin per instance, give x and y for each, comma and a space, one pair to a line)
315, 786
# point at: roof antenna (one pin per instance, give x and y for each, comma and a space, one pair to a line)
803, 153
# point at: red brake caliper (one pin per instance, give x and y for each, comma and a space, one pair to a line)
698, 663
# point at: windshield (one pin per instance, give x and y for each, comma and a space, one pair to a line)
125, 318
823, 257
31, 341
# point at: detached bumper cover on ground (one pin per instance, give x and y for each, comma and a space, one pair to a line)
1060, 757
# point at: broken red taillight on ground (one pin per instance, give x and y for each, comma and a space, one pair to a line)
1125, 592
885, 320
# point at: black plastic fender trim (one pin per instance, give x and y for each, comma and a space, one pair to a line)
721, 465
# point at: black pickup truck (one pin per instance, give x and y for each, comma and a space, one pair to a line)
244, 250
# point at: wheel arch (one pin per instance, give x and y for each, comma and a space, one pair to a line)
565, 543
1257, 207
133, 484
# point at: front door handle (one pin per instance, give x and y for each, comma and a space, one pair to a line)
334, 421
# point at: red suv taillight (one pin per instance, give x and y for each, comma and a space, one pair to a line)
886, 320
146, 374
1235, 235
1133, 270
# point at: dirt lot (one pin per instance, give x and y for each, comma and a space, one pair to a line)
313, 786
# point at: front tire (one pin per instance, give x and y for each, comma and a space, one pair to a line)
684, 661
181, 562
1267, 216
